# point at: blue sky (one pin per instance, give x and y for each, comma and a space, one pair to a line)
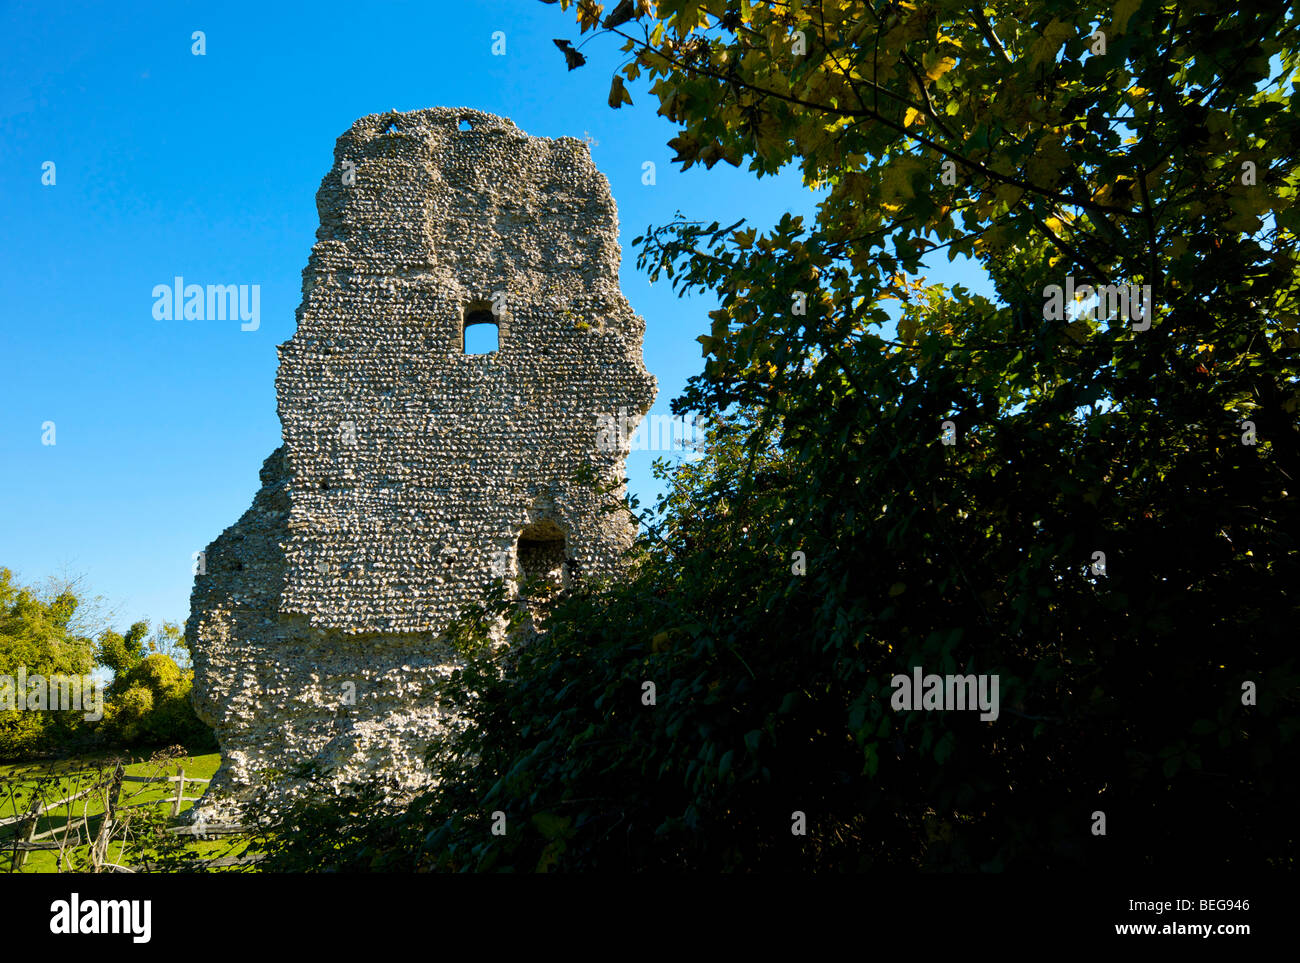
168, 164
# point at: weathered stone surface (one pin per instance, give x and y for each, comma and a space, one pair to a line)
412, 473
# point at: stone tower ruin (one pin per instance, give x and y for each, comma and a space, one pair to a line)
412, 472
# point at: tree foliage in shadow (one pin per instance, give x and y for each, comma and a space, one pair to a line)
949, 472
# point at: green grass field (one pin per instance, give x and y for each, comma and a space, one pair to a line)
58, 779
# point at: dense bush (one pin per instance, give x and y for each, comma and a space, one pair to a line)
149, 700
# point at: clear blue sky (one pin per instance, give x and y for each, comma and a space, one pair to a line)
207, 167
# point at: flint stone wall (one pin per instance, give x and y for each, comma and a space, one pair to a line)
411, 473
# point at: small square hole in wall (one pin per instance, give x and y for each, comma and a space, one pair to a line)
480, 333
465, 125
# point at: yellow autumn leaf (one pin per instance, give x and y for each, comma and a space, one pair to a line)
940, 67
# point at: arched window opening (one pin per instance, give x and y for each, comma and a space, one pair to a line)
540, 553
542, 571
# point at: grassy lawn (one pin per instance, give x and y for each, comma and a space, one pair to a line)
52, 780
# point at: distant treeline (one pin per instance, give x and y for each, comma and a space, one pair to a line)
52, 658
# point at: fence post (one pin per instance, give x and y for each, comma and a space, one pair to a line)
26, 830
180, 791
100, 849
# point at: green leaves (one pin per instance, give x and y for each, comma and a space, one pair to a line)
552, 826
938, 132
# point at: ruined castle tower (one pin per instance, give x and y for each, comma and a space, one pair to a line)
413, 472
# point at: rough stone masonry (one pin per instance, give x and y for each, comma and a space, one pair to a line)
413, 473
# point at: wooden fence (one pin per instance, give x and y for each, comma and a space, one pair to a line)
180, 779
28, 839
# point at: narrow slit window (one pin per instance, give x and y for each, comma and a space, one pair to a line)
480, 333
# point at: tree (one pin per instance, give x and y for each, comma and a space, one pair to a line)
1116, 145
149, 699
147, 703
169, 640
1095, 511
36, 638
122, 653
